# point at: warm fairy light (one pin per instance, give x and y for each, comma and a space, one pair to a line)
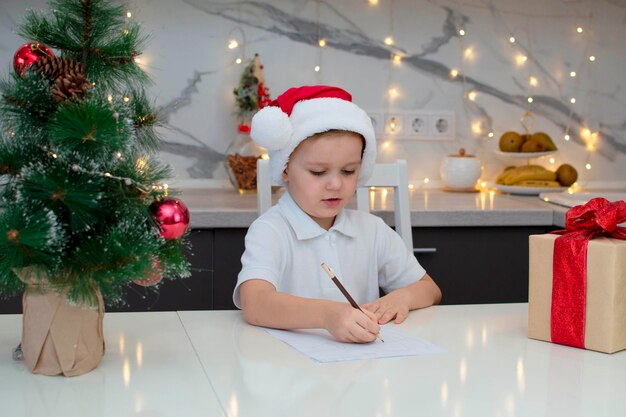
107, 174
512, 39
392, 124
472, 95
579, 29
322, 43
454, 73
53, 155
393, 92
533, 81
490, 134
110, 98
469, 52
572, 74
572, 100
462, 32
592, 58
126, 31
373, 2
476, 127
426, 180
388, 40
317, 68
566, 137
232, 44
585, 133
530, 99
396, 58
137, 60
12, 134
126, 99
521, 59
119, 155
588, 166
483, 184
386, 145
552, 160
141, 164
238, 61
411, 186
129, 14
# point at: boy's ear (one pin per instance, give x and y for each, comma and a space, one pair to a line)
285, 176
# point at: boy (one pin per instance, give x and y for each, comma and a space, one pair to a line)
322, 146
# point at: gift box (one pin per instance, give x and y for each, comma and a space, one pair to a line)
577, 280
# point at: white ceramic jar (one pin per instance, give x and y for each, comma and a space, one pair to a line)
460, 172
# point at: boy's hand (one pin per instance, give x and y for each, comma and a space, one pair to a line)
347, 324
393, 306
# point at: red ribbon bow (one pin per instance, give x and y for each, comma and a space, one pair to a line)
599, 217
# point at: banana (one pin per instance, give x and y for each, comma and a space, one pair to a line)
527, 172
537, 183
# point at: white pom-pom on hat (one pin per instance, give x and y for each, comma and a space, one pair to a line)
271, 128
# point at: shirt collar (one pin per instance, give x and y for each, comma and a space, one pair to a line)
305, 227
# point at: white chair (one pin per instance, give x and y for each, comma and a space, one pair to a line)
393, 175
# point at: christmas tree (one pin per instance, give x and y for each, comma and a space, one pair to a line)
83, 204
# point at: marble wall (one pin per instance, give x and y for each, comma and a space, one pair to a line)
195, 71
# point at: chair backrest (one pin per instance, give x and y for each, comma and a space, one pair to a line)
393, 175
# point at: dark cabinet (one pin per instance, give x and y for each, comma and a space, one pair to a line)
471, 265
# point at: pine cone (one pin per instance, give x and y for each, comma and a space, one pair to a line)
67, 77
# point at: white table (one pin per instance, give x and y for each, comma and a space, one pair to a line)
150, 369
210, 363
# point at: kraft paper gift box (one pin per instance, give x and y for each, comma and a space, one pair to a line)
605, 298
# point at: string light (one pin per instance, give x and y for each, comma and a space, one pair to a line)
579, 29
426, 180
119, 155
129, 14
126, 99
572, 74
393, 92
454, 73
317, 68
238, 61
137, 60
552, 160
396, 58
520, 59
469, 52
490, 134
512, 39
530, 99
373, 2
322, 43
566, 137
110, 98
462, 32
476, 127
533, 81
592, 58
588, 166
389, 41
472, 95
572, 100
232, 44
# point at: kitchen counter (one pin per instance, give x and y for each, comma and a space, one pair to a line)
225, 208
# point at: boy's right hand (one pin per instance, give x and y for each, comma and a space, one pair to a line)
347, 324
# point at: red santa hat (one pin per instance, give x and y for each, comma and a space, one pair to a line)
302, 112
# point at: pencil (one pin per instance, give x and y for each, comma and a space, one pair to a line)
345, 292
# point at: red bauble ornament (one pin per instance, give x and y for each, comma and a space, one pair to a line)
172, 216
27, 54
153, 275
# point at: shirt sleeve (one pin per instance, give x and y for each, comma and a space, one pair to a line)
398, 266
261, 258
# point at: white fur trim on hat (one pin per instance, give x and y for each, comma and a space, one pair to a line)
271, 128
308, 118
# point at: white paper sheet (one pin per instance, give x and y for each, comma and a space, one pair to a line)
321, 347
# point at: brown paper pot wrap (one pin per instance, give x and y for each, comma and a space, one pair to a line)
59, 338
605, 324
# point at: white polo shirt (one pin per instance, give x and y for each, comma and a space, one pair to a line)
286, 248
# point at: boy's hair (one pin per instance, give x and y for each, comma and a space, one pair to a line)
337, 132
302, 112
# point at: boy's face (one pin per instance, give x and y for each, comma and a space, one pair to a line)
322, 174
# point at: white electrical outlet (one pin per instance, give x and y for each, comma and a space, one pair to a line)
378, 122
418, 125
394, 124
442, 125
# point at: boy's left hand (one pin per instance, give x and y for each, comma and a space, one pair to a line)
393, 306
